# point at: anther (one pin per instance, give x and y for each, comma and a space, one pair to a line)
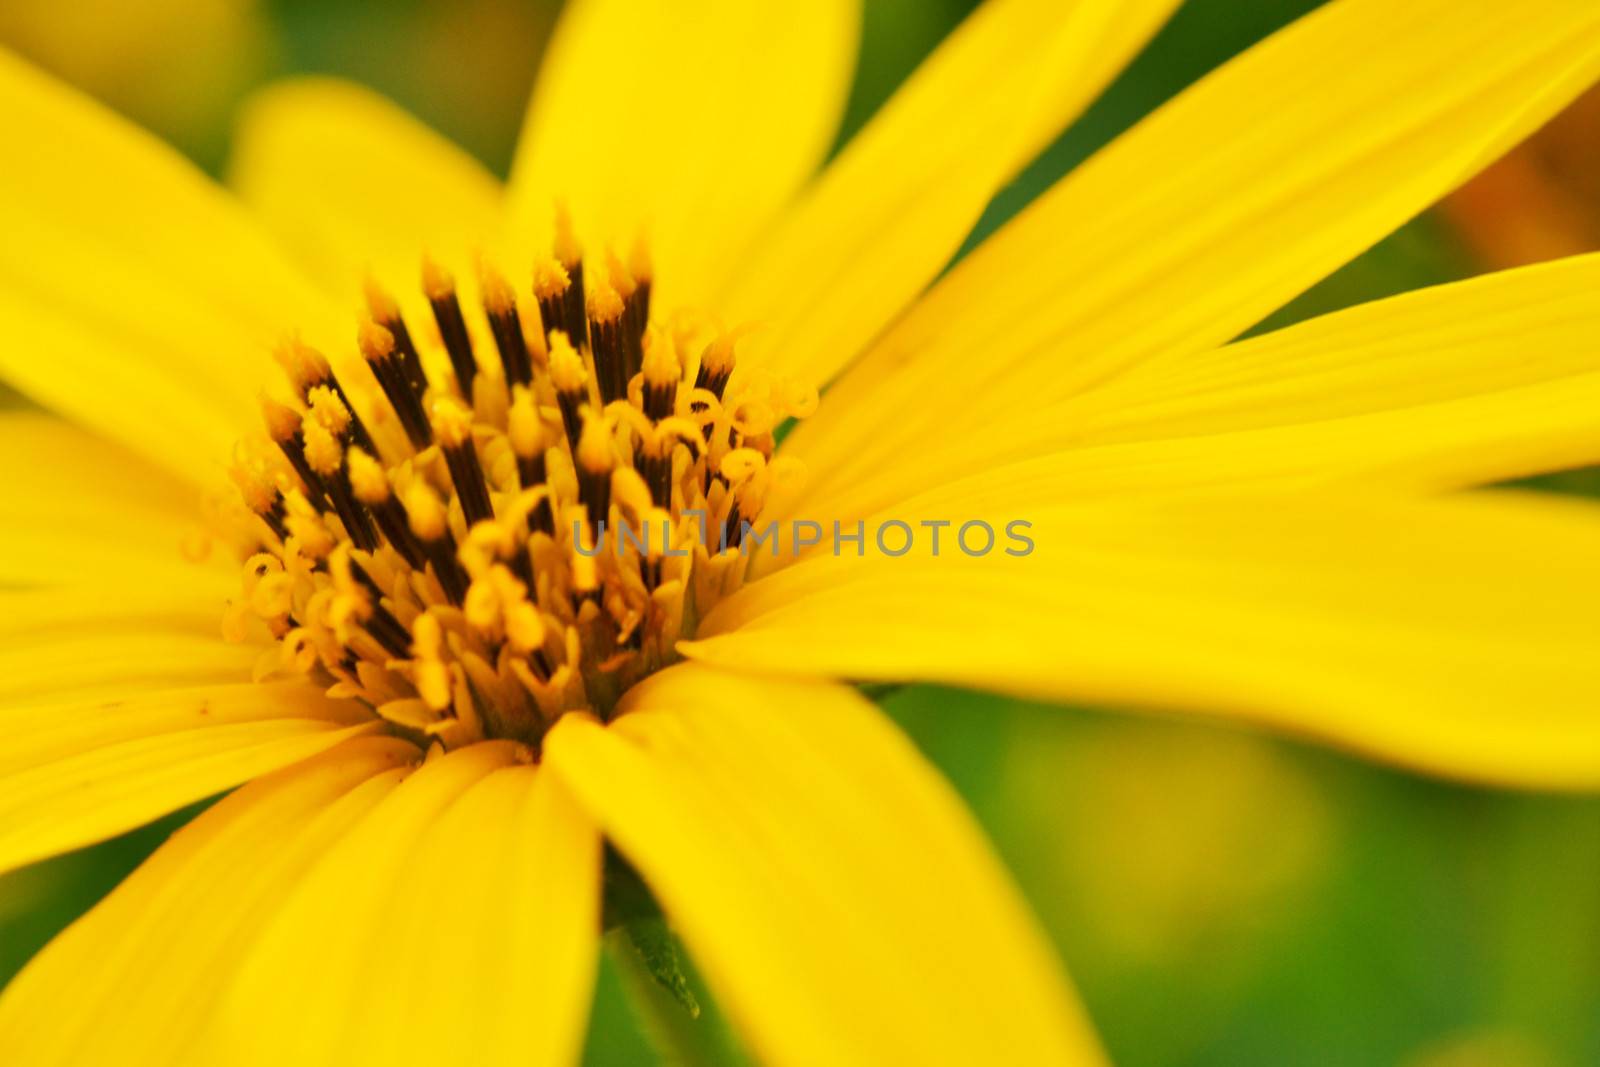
386, 312
431, 525
370, 485
307, 369
377, 344
261, 497
528, 443
643, 272
634, 316
283, 426
570, 255
551, 284
661, 373
506, 324
654, 462
607, 339
440, 288
325, 454
567, 375
452, 424
595, 463
716, 366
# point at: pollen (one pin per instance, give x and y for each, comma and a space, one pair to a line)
498, 513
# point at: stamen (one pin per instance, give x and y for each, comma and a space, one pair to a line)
452, 423
569, 253
371, 487
661, 375
607, 333
551, 284
529, 442
569, 378
307, 368
325, 454
283, 426
377, 344
506, 324
634, 317
595, 464
440, 289
385, 311
432, 528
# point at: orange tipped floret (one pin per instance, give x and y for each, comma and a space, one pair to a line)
375, 341
430, 524
367, 478
661, 373
426, 512
529, 440
329, 410
505, 323
440, 287
524, 428
283, 422
550, 281
370, 484
437, 283
322, 448
452, 424
381, 305
716, 365
568, 376
380, 345
595, 464
498, 295
567, 248
607, 340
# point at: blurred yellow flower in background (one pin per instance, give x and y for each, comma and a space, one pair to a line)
453, 703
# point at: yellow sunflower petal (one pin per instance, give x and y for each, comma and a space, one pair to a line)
1451, 635
888, 214
814, 863
78, 508
134, 295
695, 121
1481, 381
468, 900
70, 784
354, 184
134, 981
1261, 179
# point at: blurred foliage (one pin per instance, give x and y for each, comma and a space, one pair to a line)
1221, 898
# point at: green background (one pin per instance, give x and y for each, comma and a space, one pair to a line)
1221, 898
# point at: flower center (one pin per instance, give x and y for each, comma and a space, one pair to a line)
510, 517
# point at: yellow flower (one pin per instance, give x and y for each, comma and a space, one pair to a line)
445, 718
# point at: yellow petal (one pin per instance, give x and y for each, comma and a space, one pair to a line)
1481, 381
79, 508
1256, 182
134, 295
134, 981
694, 121
891, 211
65, 789
1451, 635
457, 924
354, 184
815, 865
